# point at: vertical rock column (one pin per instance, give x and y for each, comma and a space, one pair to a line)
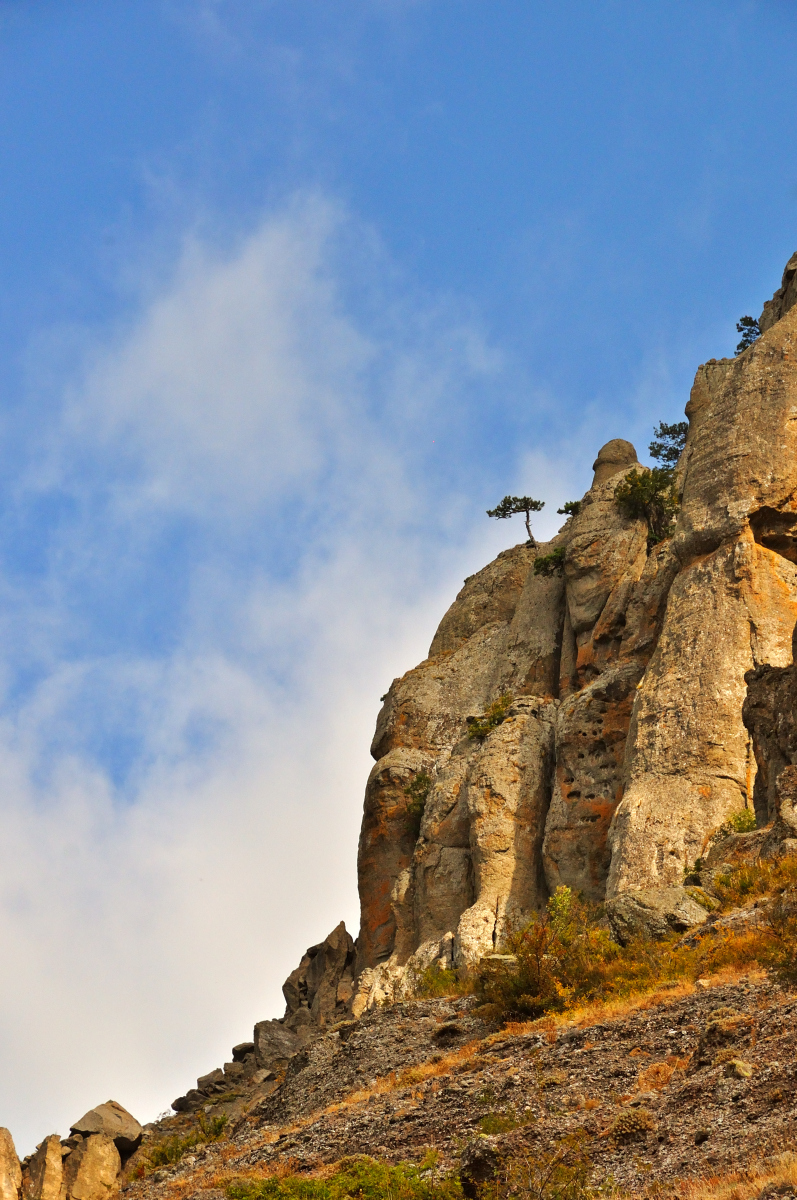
731, 607
10, 1170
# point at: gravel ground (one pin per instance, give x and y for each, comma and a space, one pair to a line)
691, 1085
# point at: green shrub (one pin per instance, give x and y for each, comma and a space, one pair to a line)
498, 1123
651, 496
438, 981
571, 508
565, 956
559, 956
562, 1173
360, 1177
480, 727
417, 793
550, 564
171, 1149
742, 821
781, 919
764, 877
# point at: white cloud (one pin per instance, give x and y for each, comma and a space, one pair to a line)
181, 808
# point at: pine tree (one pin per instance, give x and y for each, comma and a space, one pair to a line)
517, 504
748, 328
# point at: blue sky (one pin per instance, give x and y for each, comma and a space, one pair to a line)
290, 293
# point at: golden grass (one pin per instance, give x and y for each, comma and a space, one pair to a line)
743, 1184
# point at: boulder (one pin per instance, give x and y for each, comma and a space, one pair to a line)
212, 1082
92, 1169
273, 1042
479, 1166
114, 1122
654, 913
43, 1175
10, 1170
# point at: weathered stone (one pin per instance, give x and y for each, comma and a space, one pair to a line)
191, 1101
10, 1170
479, 1166
784, 299
115, 1122
240, 1051
274, 1042
654, 913
689, 761
42, 1177
638, 656
423, 727
91, 1171
616, 455
212, 1082
488, 597
313, 987
591, 732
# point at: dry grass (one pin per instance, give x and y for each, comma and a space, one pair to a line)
744, 1184
748, 881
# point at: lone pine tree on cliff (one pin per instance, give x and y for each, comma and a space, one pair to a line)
518, 504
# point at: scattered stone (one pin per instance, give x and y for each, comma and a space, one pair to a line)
737, 1068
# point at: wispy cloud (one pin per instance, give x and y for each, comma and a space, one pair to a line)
238, 557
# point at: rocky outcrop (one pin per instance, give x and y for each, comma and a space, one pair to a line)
318, 991
10, 1170
92, 1168
85, 1166
623, 747
731, 607
42, 1176
654, 913
783, 300
317, 995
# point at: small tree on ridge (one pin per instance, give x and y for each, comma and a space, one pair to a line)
517, 504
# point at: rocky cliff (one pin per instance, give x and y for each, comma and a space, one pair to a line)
624, 745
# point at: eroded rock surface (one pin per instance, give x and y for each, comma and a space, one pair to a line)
91, 1170
10, 1170
43, 1172
624, 747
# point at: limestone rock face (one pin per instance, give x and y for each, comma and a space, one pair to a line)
113, 1121
91, 1170
10, 1170
43, 1175
731, 607
623, 746
511, 815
